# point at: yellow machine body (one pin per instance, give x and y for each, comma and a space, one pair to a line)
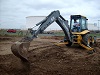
78, 39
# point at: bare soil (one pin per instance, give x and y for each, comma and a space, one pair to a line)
45, 58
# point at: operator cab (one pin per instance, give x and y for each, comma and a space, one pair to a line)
78, 23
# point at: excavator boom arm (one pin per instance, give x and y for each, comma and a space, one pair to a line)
46, 22
53, 17
20, 48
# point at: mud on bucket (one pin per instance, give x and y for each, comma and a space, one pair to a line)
20, 49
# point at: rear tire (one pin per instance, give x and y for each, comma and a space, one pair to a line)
86, 40
89, 40
94, 38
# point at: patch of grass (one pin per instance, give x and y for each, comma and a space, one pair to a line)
59, 34
95, 34
91, 34
18, 33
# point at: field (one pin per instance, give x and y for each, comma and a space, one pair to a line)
45, 58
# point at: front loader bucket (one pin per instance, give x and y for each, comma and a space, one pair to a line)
20, 49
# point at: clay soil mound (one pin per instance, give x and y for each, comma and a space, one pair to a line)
46, 58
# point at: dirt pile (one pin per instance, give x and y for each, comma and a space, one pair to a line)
5, 38
98, 43
45, 58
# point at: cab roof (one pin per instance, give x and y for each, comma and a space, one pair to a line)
77, 16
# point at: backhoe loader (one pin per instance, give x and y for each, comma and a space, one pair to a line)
73, 34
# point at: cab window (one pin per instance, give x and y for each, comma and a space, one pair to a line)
84, 24
73, 23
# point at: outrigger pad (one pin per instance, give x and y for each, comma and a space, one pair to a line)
20, 49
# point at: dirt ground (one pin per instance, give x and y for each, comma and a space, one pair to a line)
45, 58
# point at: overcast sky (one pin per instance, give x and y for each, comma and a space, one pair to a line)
13, 13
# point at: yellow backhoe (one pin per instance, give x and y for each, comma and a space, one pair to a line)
74, 34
